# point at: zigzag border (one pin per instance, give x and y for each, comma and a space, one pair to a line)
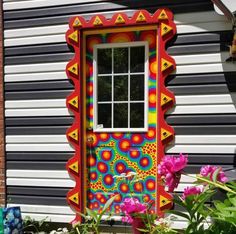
166, 28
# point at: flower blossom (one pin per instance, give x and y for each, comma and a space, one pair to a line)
129, 207
191, 191
170, 168
208, 171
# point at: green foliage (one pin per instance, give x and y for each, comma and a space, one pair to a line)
92, 220
31, 225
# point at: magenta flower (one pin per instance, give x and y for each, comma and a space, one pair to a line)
191, 191
170, 168
130, 207
208, 171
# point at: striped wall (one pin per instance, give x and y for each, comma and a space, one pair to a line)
36, 85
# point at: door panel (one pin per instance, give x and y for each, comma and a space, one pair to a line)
113, 153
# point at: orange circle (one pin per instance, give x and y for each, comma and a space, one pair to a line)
153, 67
152, 98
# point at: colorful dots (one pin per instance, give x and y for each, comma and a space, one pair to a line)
103, 136
153, 67
108, 180
138, 187
136, 139
144, 162
92, 160
124, 188
93, 176
120, 167
106, 155
150, 185
124, 145
102, 167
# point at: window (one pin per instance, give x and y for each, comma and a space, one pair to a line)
120, 87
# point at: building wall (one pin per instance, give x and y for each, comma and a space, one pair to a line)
36, 117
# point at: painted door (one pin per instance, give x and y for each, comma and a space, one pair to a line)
121, 116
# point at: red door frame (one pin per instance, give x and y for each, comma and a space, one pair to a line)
163, 19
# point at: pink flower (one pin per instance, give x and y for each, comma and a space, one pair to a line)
208, 171
191, 191
171, 168
129, 207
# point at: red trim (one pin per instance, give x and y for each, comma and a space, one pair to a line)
161, 18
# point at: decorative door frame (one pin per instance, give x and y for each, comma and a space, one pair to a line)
162, 21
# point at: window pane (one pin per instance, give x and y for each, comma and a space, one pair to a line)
120, 60
120, 88
104, 115
137, 87
137, 115
104, 61
104, 88
121, 115
137, 59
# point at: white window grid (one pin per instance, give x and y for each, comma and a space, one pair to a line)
96, 127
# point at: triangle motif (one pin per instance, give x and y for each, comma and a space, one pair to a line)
74, 102
74, 135
163, 15
164, 201
165, 134
165, 99
165, 29
97, 21
75, 198
74, 69
74, 36
74, 167
165, 64
77, 22
141, 17
119, 19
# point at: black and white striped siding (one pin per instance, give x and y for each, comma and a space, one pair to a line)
36, 85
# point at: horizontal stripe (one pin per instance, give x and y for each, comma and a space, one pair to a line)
180, 100
52, 94
37, 200
40, 182
180, 19
202, 149
17, 104
37, 112
35, 76
40, 85
217, 159
177, 50
40, 191
41, 36
42, 3
27, 59
203, 89
38, 156
183, 43
39, 147
201, 119
43, 209
29, 121
179, 139
215, 78
52, 174
203, 109
36, 165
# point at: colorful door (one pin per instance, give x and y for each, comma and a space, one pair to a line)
121, 116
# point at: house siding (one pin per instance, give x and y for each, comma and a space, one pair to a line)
36, 117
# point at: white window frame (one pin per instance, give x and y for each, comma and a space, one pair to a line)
97, 128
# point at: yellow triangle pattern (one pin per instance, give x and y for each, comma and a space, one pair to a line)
77, 22
74, 135
74, 36
74, 69
165, 64
119, 19
165, 134
75, 198
165, 29
141, 17
163, 15
97, 21
74, 167
165, 99
74, 102
164, 201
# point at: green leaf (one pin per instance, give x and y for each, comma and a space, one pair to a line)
108, 203
92, 214
142, 230
215, 174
